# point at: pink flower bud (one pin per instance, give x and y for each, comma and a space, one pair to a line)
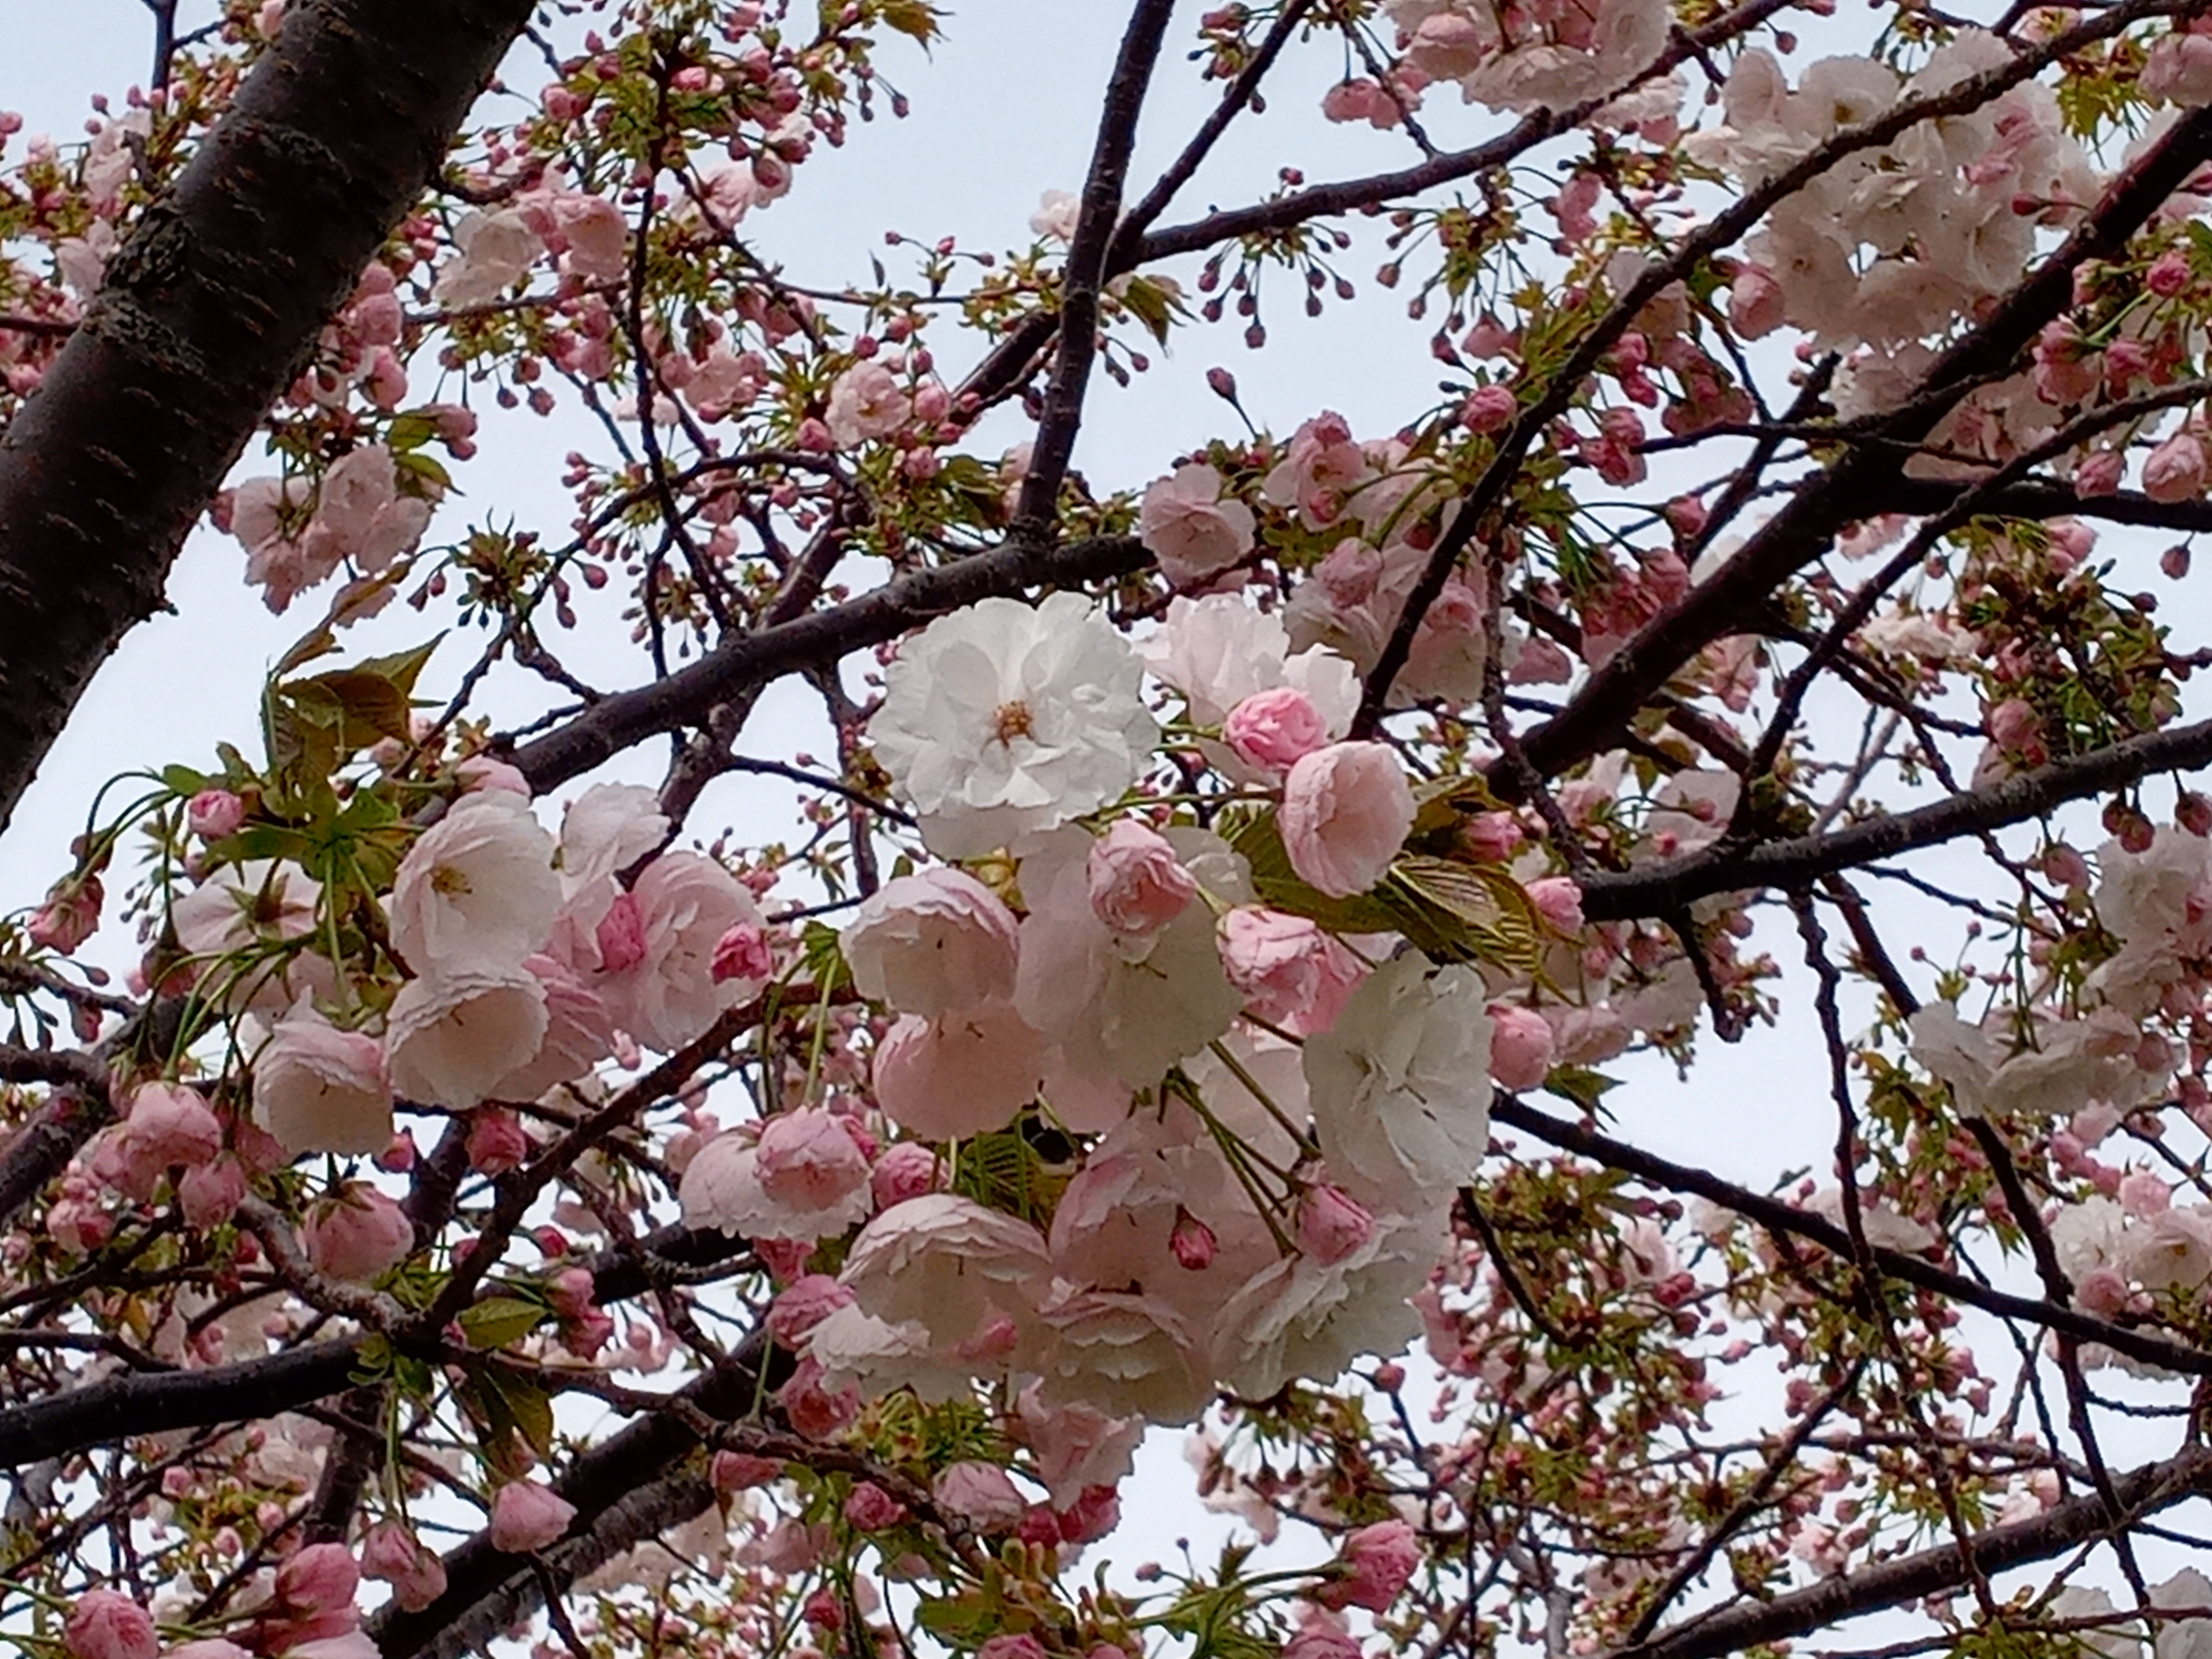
2174, 563
1520, 1046
1345, 812
1012, 1645
107, 1625
2193, 812
480, 774
1275, 730
905, 1170
211, 1195
169, 1124
2013, 723
804, 1304
1559, 901
1331, 1223
395, 1556
497, 1142
2176, 470
526, 1516
2168, 275
320, 1578
1137, 885
871, 1509
1490, 408
2102, 1291
1191, 1241
1492, 837
214, 813
358, 1235
2099, 474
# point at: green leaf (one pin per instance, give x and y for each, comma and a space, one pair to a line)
916, 19
499, 1320
1580, 1084
368, 705
509, 1406
824, 957
184, 780
967, 1620
401, 667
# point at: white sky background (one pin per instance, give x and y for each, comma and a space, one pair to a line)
1004, 110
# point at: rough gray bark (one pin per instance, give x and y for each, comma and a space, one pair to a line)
207, 314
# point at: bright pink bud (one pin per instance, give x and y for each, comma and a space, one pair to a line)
497, 1141
1331, 1223
2193, 812
1379, 1562
2174, 562
1492, 837
214, 813
743, 953
739, 1472
1192, 1241
905, 1170
211, 1195
1490, 408
804, 1304
1275, 729
871, 1509
70, 915
2168, 275
2099, 474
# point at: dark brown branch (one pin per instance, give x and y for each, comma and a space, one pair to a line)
1787, 1221
1750, 1625
203, 318
1657, 889
1084, 275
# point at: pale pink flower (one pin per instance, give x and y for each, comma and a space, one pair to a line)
668, 996
451, 1040
607, 829
809, 1159
1320, 468
1127, 1353
317, 1089
70, 916
1401, 1085
1003, 719
1275, 730
481, 774
1077, 1447
361, 514
108, 1624
1378, 1562
866, 401
1291, 972
932, 942
1345, 812
1520, 1046
597, 235
496, 251
1185, 523
968, 1276
319, 1579
525, 1515
357, 1234
1138, 886
580, 1032
965, 1075
724, 1186
1331, 1223
477, 888
1056, 214
169, 1124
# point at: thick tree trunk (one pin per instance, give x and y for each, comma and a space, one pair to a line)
207, 314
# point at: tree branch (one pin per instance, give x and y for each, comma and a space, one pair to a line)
1657, 889
204, 317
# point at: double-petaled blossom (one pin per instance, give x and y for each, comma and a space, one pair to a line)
1004, 719
319, 1089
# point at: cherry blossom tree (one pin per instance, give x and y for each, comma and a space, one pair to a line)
1246, 931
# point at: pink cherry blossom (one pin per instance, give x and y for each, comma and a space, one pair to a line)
1136, 885
358, 1234
1345, 812
1332, 1224
1291, 973
319, 1089
1275, 729
108, 1624
1378, 1561
965, 1075
809, 1160
1520, 1046
2176, 470
1187, 523
394, 1555
214, 813
526, 1516
932, 942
